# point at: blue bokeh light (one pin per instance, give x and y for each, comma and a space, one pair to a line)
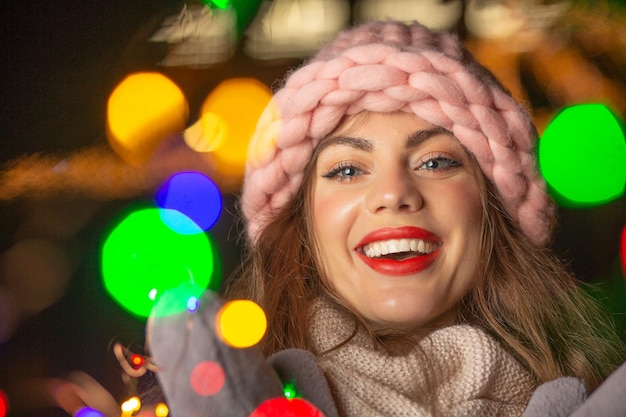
193, 194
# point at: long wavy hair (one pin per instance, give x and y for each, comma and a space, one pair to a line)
524, 296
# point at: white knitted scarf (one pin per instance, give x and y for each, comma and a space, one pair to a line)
455, 371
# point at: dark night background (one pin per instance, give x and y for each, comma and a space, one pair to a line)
60, 62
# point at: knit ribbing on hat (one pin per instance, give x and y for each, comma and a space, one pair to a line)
388, 67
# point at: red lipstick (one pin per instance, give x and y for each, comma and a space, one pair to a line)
389, 266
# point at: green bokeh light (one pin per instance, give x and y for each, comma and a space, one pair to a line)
582, 156
143, 259
245, 11
220, 4
289, 390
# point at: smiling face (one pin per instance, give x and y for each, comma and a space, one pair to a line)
396, 214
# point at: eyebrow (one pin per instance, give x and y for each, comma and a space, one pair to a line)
420, 136
362, 144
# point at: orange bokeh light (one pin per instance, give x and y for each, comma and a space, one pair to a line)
144, 109
228, 119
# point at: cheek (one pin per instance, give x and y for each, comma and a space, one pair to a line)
458, 212
466, 205
468, 215
333, 215
333, 218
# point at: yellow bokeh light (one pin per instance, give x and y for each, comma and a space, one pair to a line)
241, 323
144, 109
228, 119
131, 405
161, 410
207, 134
263, 143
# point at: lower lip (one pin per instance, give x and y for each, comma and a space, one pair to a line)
404, 267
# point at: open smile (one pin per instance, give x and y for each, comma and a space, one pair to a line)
399, 251
400, 248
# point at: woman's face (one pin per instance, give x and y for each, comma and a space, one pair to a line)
397, 218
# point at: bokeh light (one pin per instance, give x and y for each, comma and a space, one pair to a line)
206, 134
289, 390
435, 14
192, 304
241, 323
295, 29
244, 10
143, 258
623, 251
193, 194
88, 412
137, 361
228, 119
220, 4
4, 404
284, 407
144, 109
493, 20
263, 144
582, 155
36, 271
131, 405
207, 378
161, 410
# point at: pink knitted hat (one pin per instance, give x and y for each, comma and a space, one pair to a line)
387, 67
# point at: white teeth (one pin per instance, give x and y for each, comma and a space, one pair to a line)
385, 247
404, 245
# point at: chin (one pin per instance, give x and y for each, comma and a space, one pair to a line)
413, 322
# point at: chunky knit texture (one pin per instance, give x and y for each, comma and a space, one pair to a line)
387, 67
456, 371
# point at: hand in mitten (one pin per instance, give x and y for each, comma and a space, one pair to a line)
203, 375
567, 397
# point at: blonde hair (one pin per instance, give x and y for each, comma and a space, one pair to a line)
524, 295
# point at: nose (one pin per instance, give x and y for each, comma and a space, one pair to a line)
394, 190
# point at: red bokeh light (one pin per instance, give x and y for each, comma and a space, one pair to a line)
207, 378
4, 404
137, 361
623, 251
285, 407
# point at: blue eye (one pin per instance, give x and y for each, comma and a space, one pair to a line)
345, 171
439, 163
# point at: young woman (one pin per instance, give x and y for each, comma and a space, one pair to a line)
397, 228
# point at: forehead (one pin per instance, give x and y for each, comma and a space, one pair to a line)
368, 131
397, 120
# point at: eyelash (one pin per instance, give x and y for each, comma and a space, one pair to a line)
336, 171
441, 157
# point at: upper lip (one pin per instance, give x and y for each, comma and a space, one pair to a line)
404, 232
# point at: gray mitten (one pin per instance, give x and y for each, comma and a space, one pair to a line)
558, 398
567, 397
203, 376
609, 399
300, 367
